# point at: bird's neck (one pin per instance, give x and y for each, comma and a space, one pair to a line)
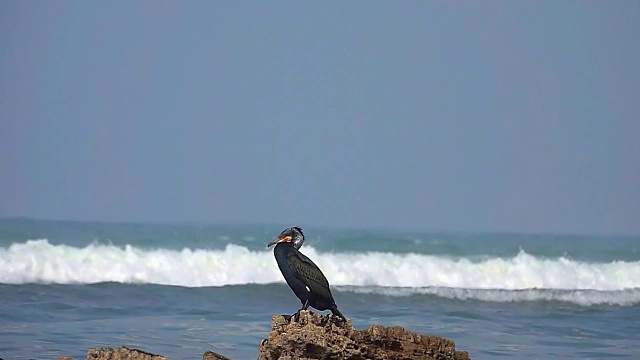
284, 245
283, 248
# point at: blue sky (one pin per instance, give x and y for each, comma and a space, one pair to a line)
471, 116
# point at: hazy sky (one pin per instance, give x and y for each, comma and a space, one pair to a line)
473, 116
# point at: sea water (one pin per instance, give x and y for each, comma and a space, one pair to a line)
181, 289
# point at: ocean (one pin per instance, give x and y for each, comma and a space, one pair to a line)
181, 289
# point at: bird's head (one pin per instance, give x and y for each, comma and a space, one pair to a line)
292, 235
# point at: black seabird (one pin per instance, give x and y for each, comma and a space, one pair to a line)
303, 276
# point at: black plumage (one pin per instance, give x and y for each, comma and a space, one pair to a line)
303, 276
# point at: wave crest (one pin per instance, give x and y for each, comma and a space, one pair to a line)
38, 261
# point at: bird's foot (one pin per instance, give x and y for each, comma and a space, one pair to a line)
295, 317
339, 319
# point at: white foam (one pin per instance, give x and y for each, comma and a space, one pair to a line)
38, 261
628, 297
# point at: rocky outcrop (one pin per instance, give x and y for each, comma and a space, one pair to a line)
125, 353
122, 353
315, 336
210, 355
327, 337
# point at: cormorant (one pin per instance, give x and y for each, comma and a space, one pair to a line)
303, 276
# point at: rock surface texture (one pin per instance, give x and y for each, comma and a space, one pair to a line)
122, 353
125, 353
327, 337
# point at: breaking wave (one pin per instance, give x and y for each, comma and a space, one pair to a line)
520, 278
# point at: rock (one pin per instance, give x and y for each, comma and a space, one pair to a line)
210, 355
327, 337
125, 353
122, 353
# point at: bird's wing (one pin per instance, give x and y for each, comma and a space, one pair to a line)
308, 272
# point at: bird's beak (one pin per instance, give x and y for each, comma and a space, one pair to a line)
279, 240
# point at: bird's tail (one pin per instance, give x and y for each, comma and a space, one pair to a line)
336, 312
